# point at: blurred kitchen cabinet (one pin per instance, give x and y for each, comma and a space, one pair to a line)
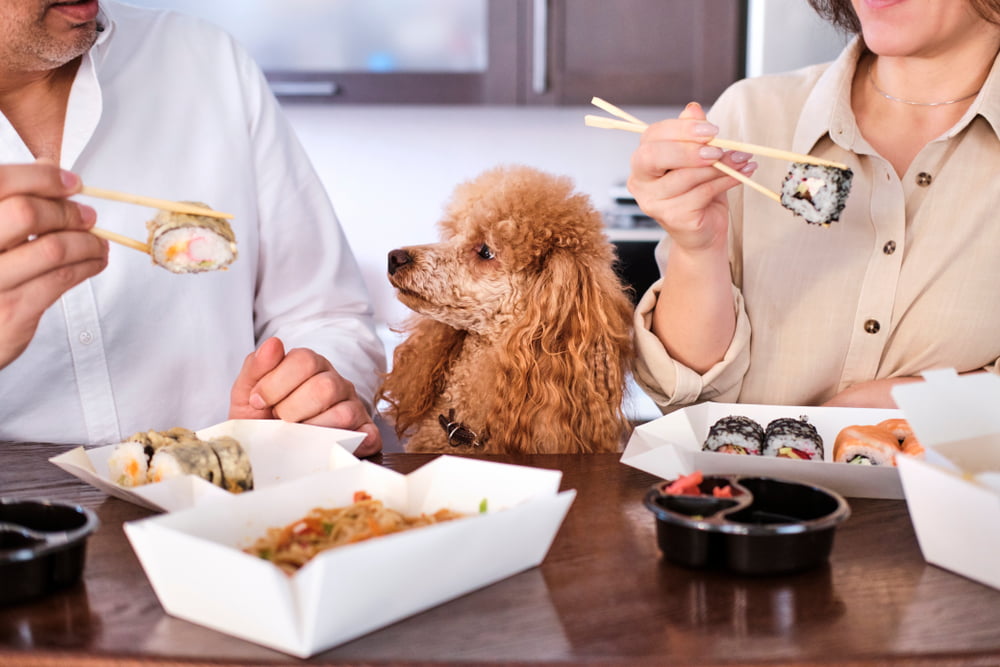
487, 51
634, 51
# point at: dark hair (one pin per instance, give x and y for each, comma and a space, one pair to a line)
841, 12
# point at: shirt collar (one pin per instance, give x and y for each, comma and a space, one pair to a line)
987, 103
827, 110
106, 21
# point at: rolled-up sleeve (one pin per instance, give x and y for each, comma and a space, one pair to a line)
673, 385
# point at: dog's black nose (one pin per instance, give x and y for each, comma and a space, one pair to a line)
398, 259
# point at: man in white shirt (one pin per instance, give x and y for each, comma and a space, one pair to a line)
97, 342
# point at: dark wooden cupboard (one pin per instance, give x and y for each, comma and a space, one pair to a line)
563, 52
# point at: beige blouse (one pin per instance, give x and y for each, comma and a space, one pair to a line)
907, 280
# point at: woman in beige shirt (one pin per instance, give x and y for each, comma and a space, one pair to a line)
757, 306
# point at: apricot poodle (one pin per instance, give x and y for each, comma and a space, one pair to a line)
522, 337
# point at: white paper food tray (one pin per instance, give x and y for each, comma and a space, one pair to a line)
954, 494
195, 563
670, 446
279, 451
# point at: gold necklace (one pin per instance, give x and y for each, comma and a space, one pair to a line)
871, 77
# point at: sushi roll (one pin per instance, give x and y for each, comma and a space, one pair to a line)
735, 435
793, 439
866, 445
898, 427
153, 456
817, 193
188, 243
128, 464
185, 458
237, 476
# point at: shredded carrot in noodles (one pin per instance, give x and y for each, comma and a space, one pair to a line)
293, 545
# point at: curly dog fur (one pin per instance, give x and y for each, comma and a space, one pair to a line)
521, 340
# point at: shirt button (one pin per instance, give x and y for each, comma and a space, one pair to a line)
889, 247
86, 337
924, 179
872, 326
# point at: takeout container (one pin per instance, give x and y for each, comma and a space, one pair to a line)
670, 446
195, 563
953, 495
279, 451
768, 526
42, 546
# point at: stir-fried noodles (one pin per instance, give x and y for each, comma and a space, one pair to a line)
292, 546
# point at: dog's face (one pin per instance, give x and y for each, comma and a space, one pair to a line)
499, 234
468, 281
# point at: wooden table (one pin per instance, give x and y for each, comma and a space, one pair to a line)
603, 596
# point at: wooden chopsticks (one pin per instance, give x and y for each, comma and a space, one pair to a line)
162, 204
628, 122
120, 239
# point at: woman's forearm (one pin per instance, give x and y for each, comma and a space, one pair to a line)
695, 317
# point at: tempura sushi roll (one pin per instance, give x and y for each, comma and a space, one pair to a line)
128, 464
793, 439
817, 193
237, 476
735, 435
185, 458
188, 243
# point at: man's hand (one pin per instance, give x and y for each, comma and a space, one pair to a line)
45, 248
300, 386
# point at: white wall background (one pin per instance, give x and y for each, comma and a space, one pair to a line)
390, 170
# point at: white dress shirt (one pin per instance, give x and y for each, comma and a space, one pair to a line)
168, 106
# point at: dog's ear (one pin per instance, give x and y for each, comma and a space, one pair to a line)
569, 354
419, 366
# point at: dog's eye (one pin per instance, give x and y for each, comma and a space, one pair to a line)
485, 252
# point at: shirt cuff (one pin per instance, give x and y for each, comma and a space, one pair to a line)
673, 385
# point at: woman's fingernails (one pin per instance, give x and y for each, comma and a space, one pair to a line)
705, 130
749, 168
740, 156
710, 152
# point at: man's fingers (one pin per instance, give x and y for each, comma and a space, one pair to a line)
245, 401
43, 179
58, 260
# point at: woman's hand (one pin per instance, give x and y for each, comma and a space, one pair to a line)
870, 394
300, 386
45, 248
673, 180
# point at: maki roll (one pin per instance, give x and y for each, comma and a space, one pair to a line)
735, 435
817, 193
189, 243
793, 439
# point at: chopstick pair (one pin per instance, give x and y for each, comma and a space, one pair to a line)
162, 204
630, 123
